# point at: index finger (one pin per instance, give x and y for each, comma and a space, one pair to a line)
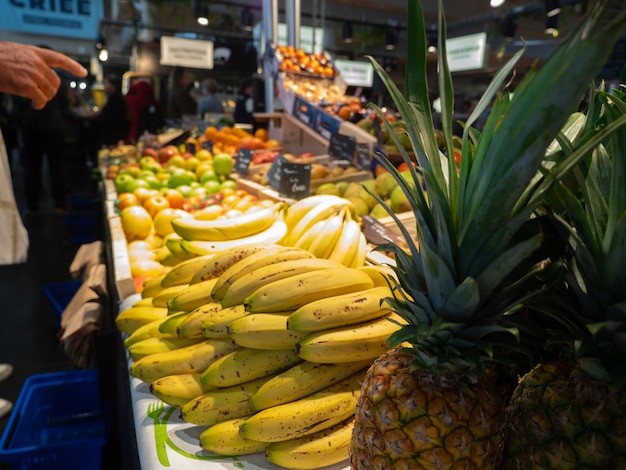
58, 60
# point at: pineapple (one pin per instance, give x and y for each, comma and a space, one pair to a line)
437, 400
571, 412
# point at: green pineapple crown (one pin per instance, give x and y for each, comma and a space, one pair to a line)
478, 246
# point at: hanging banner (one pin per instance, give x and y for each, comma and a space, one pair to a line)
67, 18
192, 53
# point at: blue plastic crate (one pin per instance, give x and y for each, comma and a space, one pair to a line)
57, 423
82, 227
60, 294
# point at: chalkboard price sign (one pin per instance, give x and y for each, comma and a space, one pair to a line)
273, 174
242, 163
208, 145
191, 148
363, 157
342, 146
295, 180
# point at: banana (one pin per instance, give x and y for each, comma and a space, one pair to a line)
305, 240
293, 292
270, 255
381, 275
191, 325
143, 302
223, 260
170, 324
193, 296
323, 245
221, 404
273, 234
244, 365
264, 331
321, 211
152, 286
168, 293
176, 390
361, 252
184, 271
215, 325
189, 360
366, 340
340, 310
245, 225
318, 450
300, 208
128, 320
154, 345
348, 243
250, 282
305, 416
224, 439
149, 330
302, 380
173, 242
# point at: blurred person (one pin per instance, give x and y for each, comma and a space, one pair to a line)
112, 123
7, 124
210, 103
144, 110
244, 105
25, 71
179, 100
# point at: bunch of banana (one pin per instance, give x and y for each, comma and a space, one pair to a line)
128, 320
176, 390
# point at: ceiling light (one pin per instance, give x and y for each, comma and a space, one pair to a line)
346, 32
553, 7
552, 25
496, 3
508, 27
101, 47
391, 40
201, 11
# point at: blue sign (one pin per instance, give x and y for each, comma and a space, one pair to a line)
65, 18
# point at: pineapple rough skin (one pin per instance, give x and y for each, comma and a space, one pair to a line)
414, 419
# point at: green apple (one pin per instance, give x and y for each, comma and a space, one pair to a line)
180, 177
212, 186
125, 183
222, 164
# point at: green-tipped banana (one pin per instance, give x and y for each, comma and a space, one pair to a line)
318, 450
250, 282
193, 296
168, 293
293, 292
305, 416
264, 331
360, 342
152, 286
246, 364
173, 242
216, 325
302, 380
170, 325
149, 330
233, 228
128, 320
221, 404
190, 360
224, 439
176, 390
223, 260
271, 255
340, 310
191, 325
154, 345
183, 272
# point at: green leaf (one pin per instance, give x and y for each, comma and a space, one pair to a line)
462, 302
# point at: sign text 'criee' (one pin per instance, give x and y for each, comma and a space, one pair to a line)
78, 7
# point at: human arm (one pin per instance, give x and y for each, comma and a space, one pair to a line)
27, 71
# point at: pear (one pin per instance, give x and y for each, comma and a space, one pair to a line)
385, 183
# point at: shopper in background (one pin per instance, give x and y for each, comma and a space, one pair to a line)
112, 123
25, 71
210, 103
244, 106
180, 101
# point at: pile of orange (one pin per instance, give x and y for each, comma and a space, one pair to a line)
230, 139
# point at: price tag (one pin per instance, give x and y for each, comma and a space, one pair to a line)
295, 179
208, 144
342, 146
273, 174
242, 163
363, 157
191, 148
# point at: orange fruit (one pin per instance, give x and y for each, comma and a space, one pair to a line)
261, 134
210, 132
272, 144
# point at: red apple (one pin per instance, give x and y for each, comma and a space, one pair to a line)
150, 152
167, 152
187, 155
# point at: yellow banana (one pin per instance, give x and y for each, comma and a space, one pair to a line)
191, 325
143, 302
348, 243
128, 320
149, 330
305, 240
293, 292
167, 294
305, 416
318, 450
320, 211
245, 225
301, 207
381, 275
215, 325
323, 245
366, 340
250, 282
361, 252
302, 380
221, 404
271, 255
152, 286
170, 324
224, 439
264, 331
154, 345
173, 242
184, 271
273, 234
176, 390
246, 364
189, 360
340, 310
223, 260
193, 296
